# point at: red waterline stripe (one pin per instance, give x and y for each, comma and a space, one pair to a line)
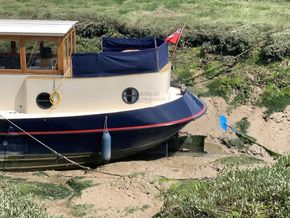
110, 129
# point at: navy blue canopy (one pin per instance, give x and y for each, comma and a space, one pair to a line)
120, 44
122, 56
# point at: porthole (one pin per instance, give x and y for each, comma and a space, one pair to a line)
130, 95
43, 100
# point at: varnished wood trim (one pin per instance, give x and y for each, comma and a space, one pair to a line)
75, 40
71, 42
60, 54
67, 52
44, 77
10, 71
32, 72
43, 72
23, 56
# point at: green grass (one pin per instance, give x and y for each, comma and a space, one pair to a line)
262, 192
236, 80
132, 210
40, 173
277, 46
275, 99
16, 204
239, 160
164, 12
49, 191
163, 180
78, 184
136, 174
81, 210
18, 196
88, 44
186, 63
235, 89
243, 125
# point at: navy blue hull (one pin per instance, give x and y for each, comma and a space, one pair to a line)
131, 131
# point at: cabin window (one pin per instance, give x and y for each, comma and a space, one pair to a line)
130, 95
43, 100
41, 55
9, 54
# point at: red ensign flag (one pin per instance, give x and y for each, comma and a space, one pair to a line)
174, 37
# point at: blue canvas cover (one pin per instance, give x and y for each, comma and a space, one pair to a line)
120, 44
146, 55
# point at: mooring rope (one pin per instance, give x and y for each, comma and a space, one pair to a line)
59, 154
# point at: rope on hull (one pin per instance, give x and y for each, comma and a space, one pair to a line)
46, 146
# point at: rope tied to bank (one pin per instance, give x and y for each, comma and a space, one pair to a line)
220, 71
190, 80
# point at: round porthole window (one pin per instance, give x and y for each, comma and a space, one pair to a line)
43, 100
130, 95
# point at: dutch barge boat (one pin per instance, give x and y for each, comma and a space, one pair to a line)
52, 95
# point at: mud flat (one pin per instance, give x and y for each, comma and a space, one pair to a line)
128, 188
133, 188
272, 131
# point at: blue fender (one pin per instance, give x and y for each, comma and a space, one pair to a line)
106, 146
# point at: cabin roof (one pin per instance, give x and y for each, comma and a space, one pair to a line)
35, 27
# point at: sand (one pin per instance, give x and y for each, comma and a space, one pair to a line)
129, 188
272, 132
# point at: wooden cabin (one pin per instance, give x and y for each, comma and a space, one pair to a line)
38, 61
37, 47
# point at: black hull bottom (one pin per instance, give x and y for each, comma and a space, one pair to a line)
26, 162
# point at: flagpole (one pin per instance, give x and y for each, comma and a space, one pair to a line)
175, 47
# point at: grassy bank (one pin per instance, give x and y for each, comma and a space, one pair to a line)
22, 198
205, 20
262, 192
161, 13
239, 81
15, 204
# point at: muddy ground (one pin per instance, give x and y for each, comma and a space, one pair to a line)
129, 188
133, 188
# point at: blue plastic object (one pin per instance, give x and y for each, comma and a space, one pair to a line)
223, 122
106, 146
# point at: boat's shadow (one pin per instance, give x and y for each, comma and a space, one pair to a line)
182, 145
